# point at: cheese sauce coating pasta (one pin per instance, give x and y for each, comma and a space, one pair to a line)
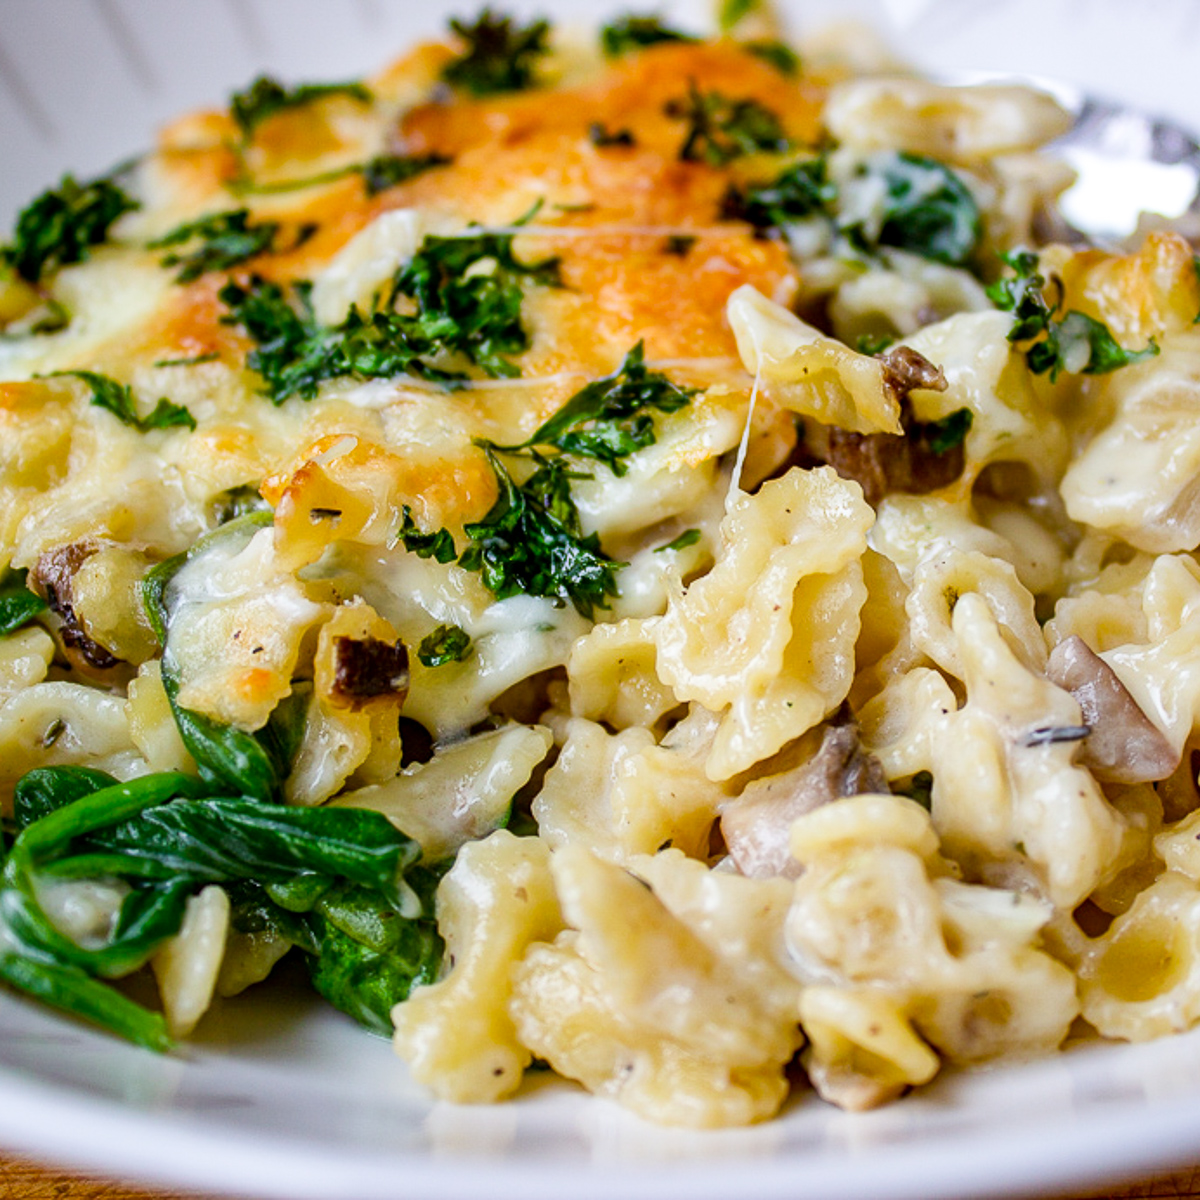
648, 553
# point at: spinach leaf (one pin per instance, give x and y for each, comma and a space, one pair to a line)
498, 55
62, 225
388, 170
720, 129
632, 32
266, 96
447, 643
18, 605
438, 545
1073, 342
167, 835
224, 239
117, 398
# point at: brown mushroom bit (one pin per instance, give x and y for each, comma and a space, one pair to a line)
51, 579
368, 668
883, 462
1124, 745
755, 825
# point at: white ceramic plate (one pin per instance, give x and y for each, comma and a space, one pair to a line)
285, 1098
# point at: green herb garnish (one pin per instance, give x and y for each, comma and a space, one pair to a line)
221, 241
1073, 342
802, 190
780, 55
18, 605
62, 225
609, 419
732, 12
117, 398
498, 54
720, 129
438, 545
948, 432
635, 33
266, 96
446, 644
388, 170
689, 537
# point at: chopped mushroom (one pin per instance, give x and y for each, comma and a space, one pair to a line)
883, 462
366, 669
1123, 745
755, 825
51, 579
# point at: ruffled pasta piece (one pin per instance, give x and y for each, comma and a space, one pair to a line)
457, 1035
875, 908
463, 792
25, 656
1138, 477
802, 370
954, 124
1162, 672
152, 726
238, 622
660, 996
53, 724
1141, 978
186, 967
622, 794
1009, 805
614, 678
767, 636
344, 733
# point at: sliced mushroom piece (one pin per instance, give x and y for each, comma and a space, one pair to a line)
364, 669
51, 578
755, 825
1123, 745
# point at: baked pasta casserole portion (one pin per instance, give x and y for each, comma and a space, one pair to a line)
651, 554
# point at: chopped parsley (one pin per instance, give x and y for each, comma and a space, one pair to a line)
388, 170
720, 129
632, 32
18, 605
498, 55
872, 343
802, 190
689, 537
117, 398
467, 293
266, 96
733, 12
530, 541
944, 435
920, 789
1073, 342
446, 644
780, 55
438, 545
221, 241
599, 135
62, 225
609, 419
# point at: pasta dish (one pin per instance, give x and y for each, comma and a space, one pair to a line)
654, 556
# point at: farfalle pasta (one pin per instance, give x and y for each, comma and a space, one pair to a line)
632, 553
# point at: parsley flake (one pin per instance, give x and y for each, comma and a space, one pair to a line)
780, 55
62, 225
117, 398
498, 55
689, 537
802, 190
266, 97
609, 419
220, 241
446, 644
632, 32
720, 129
438, 545
1074, 342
